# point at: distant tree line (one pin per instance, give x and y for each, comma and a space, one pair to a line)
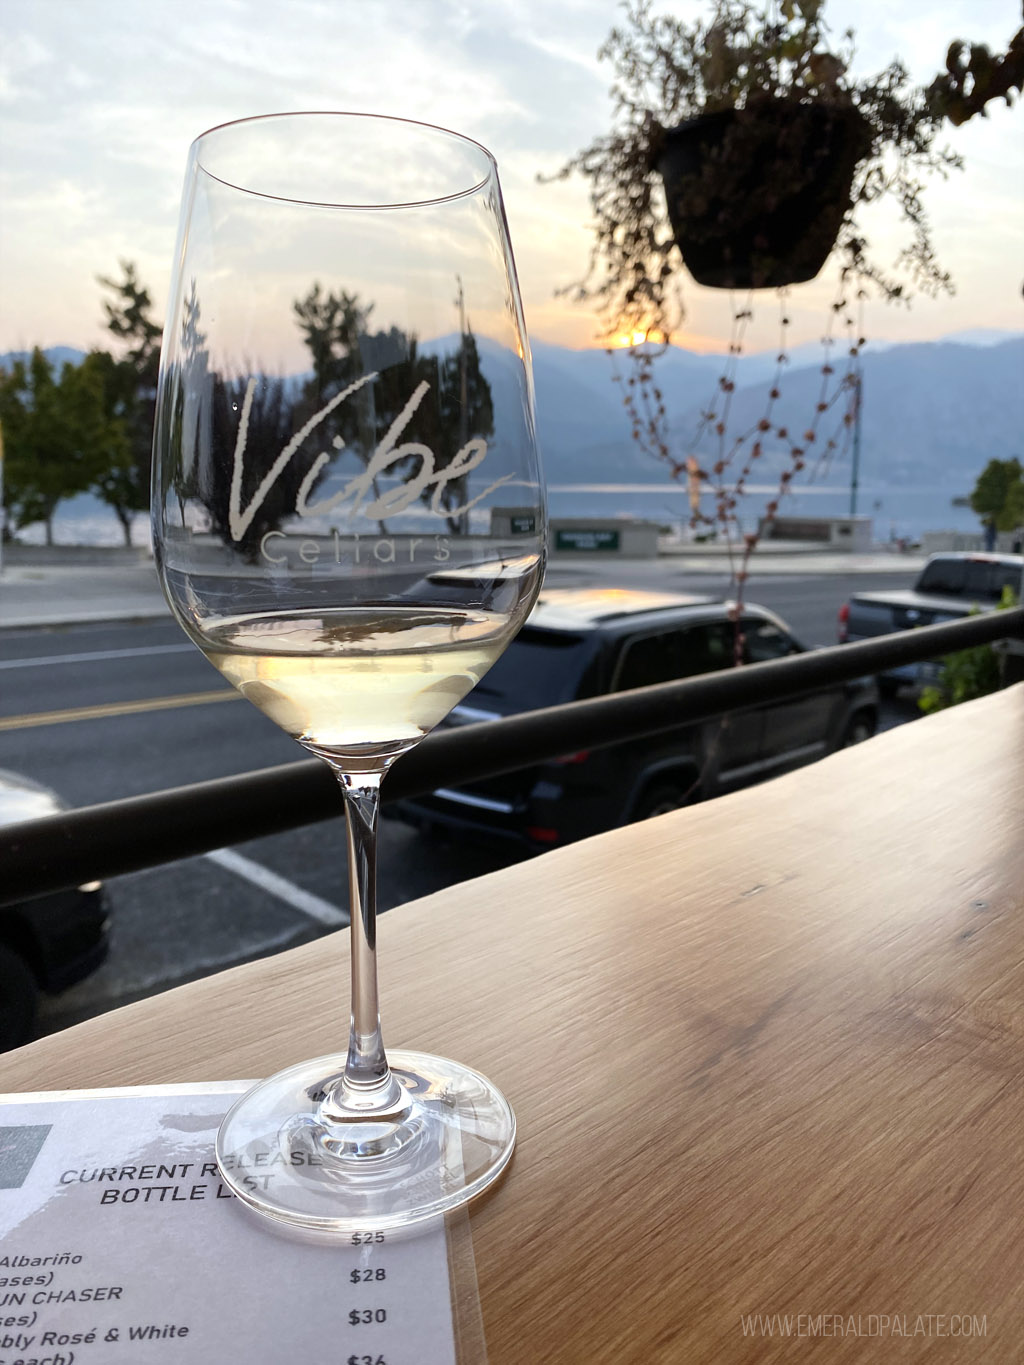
73, 429
89, 427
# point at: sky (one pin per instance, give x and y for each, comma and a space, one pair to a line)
100, 99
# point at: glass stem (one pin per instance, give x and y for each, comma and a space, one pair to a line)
368, 1086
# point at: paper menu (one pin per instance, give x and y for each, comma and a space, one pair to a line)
120, 1243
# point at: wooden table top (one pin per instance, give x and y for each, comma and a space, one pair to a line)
766, 1056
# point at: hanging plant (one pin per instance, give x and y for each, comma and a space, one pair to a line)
698, 97
744, 149
747, 139
756, 196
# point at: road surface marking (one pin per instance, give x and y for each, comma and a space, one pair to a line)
303, 901
46, 660
117, 708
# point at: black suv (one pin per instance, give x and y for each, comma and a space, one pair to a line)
587, 643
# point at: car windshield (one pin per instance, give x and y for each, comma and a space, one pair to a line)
977, 578
539, 668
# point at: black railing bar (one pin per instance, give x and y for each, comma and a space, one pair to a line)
117, 837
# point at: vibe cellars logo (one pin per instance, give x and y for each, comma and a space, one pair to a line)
360, 493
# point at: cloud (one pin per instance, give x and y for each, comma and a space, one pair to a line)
100, 99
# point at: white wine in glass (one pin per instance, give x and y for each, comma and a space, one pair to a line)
349, 521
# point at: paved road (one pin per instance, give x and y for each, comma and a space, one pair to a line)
104, 711
808, 601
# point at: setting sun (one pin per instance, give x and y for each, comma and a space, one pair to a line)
621, 340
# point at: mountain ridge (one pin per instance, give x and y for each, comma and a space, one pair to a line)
933, 411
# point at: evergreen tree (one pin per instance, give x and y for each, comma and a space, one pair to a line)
116, 479
269, 431
331, 325
466, 408
130, 389
458, 405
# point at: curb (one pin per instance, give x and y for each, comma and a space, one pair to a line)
101, 616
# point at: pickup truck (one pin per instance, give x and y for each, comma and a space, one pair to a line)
950, 585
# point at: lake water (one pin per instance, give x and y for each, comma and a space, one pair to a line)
896, 512
905, 513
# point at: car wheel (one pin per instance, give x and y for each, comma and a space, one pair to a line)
858, 729
19, 997
661, 799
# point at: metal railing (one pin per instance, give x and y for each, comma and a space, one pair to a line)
118, 837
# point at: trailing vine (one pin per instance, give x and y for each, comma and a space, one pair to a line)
736, 453
750, 54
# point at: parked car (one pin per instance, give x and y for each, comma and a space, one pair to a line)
49, 942
951, 585
583, 643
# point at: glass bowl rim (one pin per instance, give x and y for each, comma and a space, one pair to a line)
197, 158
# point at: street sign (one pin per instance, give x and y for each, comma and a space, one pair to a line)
579, 538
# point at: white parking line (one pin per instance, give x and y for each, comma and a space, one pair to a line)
45, 661
303, 901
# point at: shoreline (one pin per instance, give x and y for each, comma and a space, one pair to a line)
21, 555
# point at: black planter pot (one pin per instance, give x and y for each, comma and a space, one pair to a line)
756, 196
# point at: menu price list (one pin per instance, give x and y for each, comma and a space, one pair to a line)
120, 1243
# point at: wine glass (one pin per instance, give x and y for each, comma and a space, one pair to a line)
348, 520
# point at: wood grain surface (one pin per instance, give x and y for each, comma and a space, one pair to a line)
766, 1055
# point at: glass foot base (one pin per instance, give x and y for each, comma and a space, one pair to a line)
450, 1136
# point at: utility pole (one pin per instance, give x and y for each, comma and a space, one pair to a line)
858, 399
3, 509
460, 303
